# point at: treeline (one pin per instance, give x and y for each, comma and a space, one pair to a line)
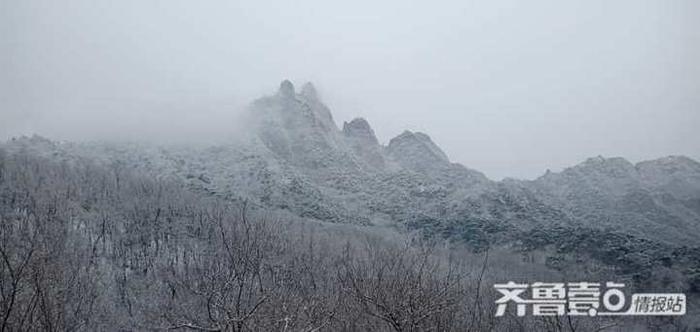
91, 248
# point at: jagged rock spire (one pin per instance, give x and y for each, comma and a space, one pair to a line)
286, 89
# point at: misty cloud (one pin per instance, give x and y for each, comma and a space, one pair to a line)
510, 88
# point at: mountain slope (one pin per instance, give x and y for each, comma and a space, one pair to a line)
654, 199
296, 159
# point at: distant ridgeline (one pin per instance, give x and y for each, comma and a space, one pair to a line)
636, 219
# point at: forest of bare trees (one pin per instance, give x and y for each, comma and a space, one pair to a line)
89, 248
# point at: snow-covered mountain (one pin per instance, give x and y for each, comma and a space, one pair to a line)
296, 159
657, 199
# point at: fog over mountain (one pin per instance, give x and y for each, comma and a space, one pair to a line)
349, 166
510, 88
296, 208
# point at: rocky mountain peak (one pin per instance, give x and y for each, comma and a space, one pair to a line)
604, 174
308, 90
669, 165
416, 151
614, 166
678, 175
298, 127
293, 110
420, 142
286, 89
360, 137
360, 129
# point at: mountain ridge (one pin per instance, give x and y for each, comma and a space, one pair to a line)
296, 159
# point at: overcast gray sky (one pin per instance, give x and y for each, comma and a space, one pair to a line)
510, 88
